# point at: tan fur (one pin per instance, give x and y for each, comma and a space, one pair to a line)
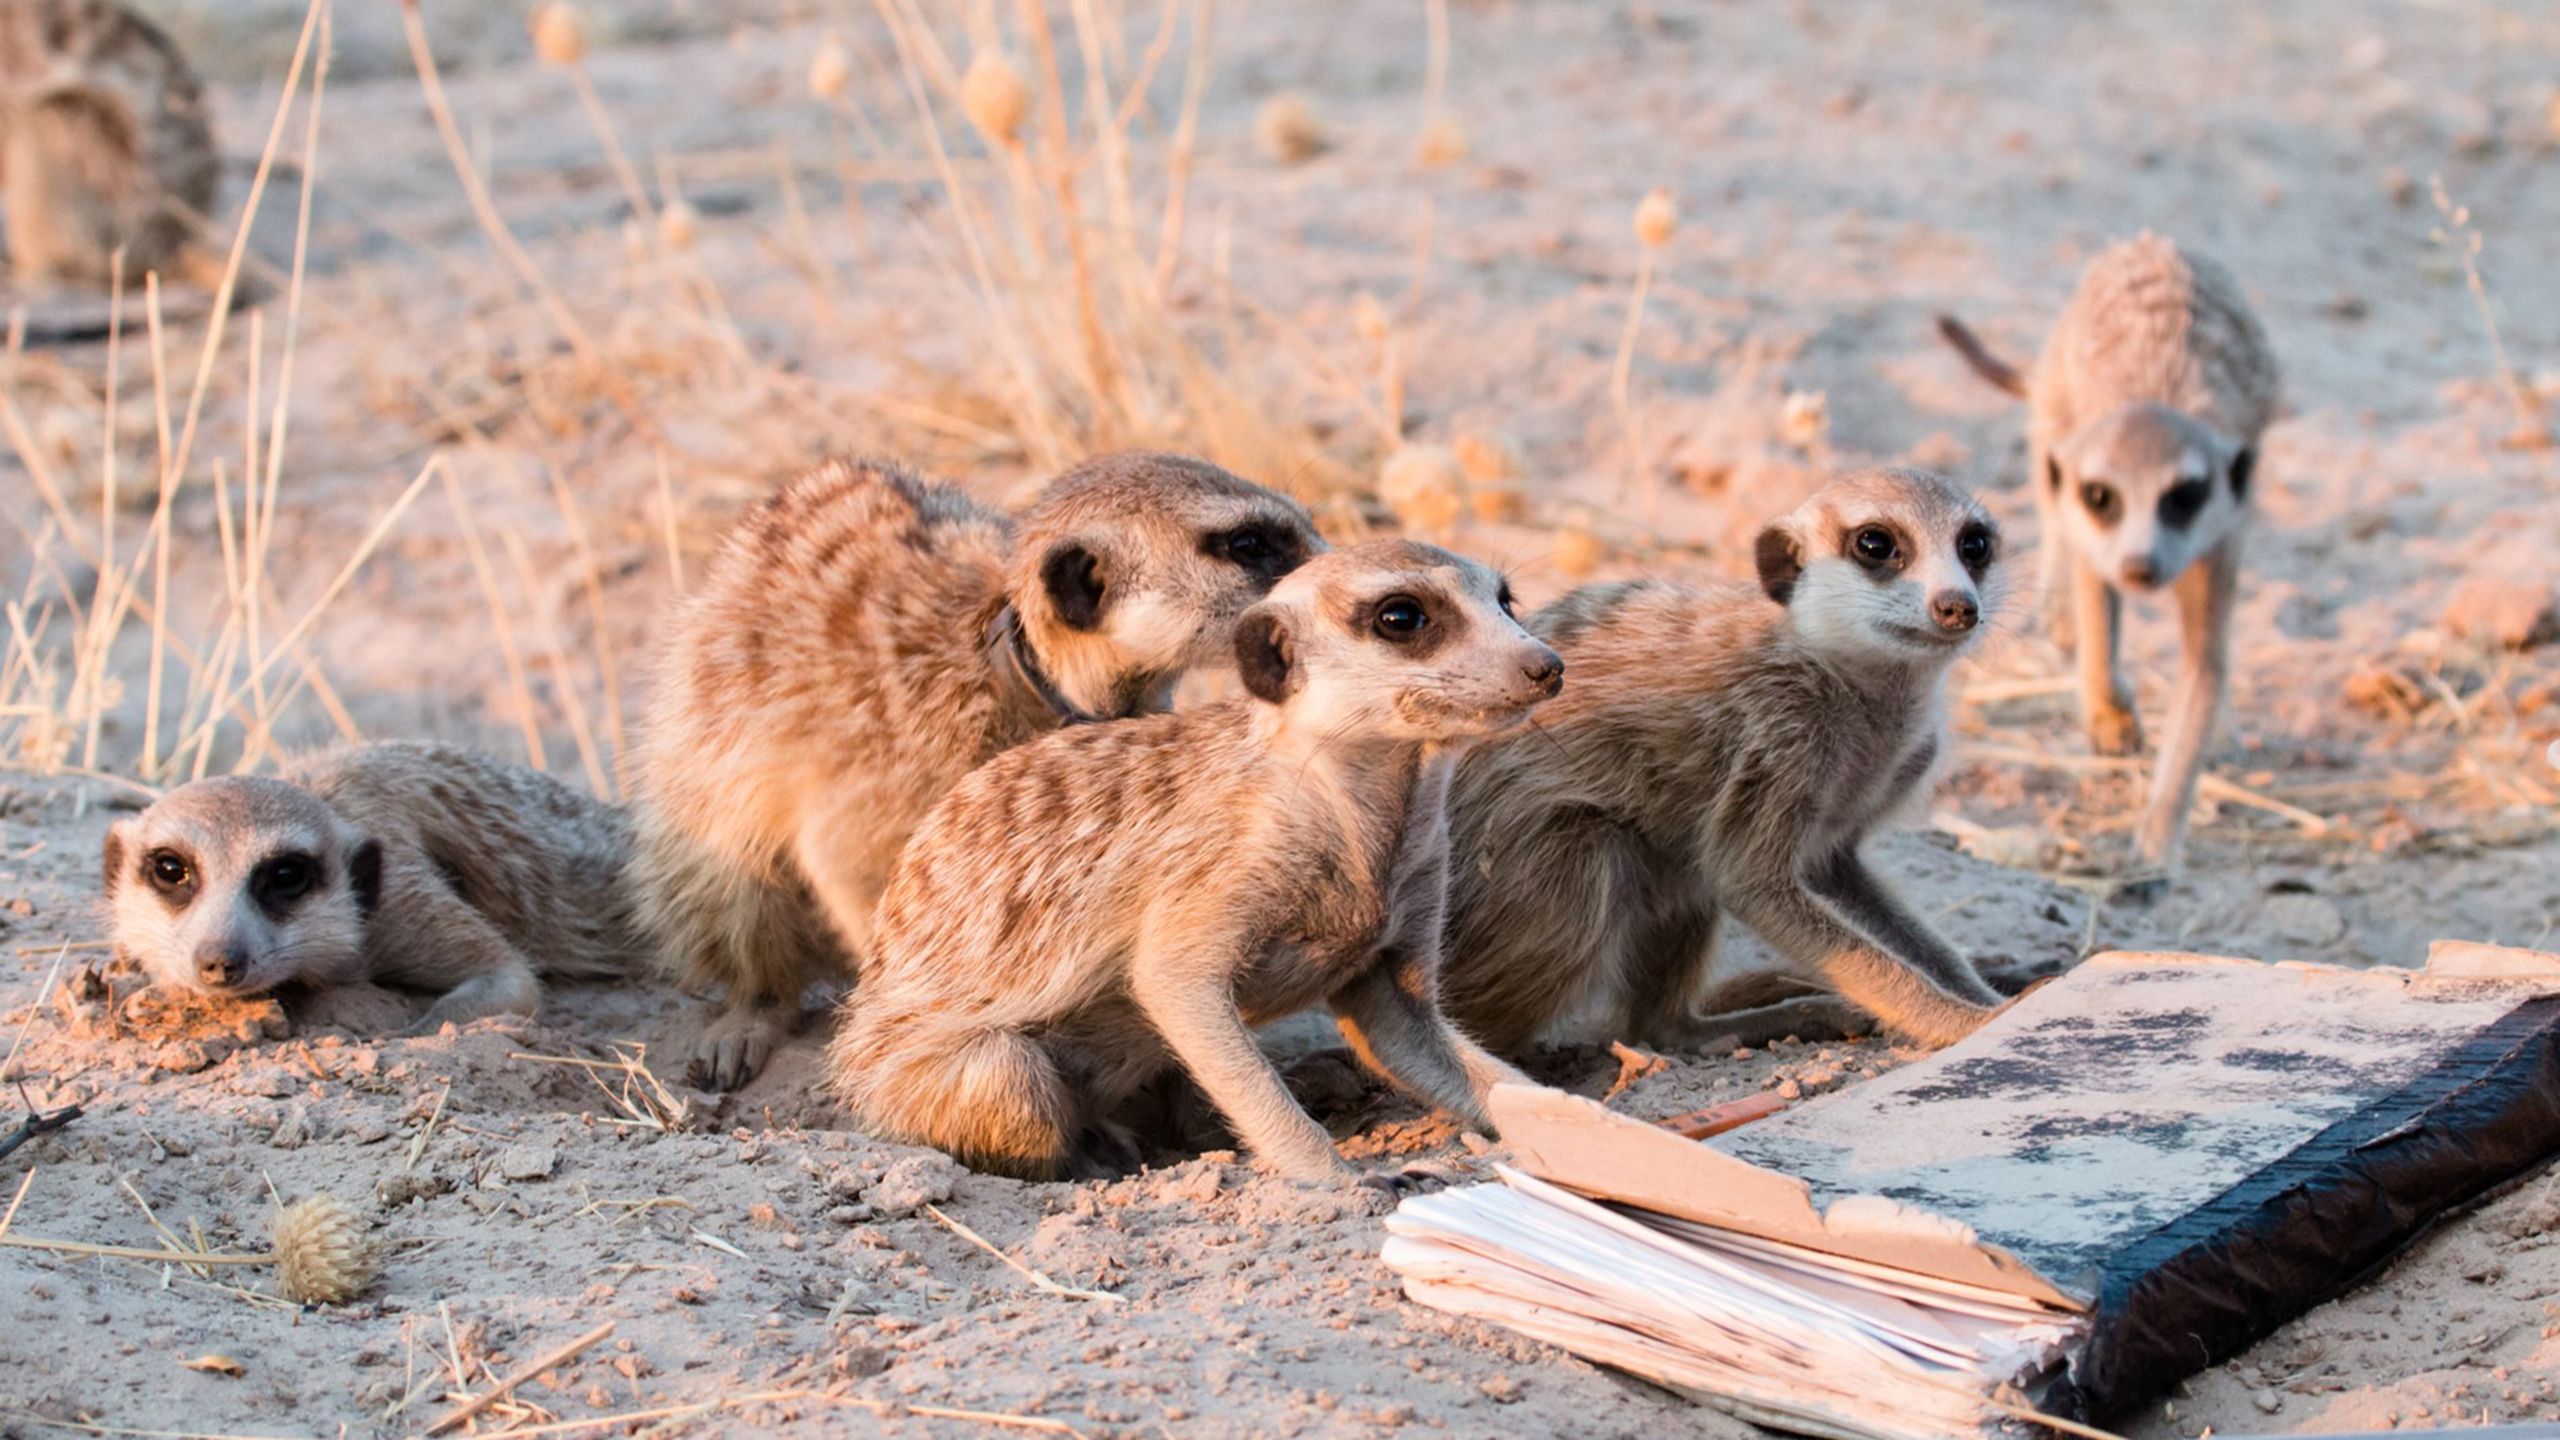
2145, 418
1088, 908
844, 663
1725, 750
104, 143
428, 868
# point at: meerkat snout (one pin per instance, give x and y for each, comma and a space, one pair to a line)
1899, 565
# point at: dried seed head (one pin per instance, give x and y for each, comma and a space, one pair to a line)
679, 224
1369, 318
830, 70
559, 34
1444, 143
1424, 486
1578, 552
1285, 129
323, 1256
1488, 457
1802, 418
995, 97
1656, 217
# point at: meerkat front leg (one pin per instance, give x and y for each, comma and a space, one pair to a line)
1845, 882
2206, 595
1391, 1018
1189, 997
447, 943
2106, 700
1897, 993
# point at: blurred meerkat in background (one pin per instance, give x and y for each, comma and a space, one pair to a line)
2145, 418
863, 640
1726, 750
104, 146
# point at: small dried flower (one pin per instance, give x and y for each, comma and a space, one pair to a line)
1444, 143
679, 224
1656, 217
1578, 552
559, 33
1492, 463
1285, 129
1424, 486
1802, 418
322, 1254
830, 70
995, 98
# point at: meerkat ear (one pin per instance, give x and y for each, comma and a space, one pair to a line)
1073, 577
364, 875
1781, 560
116, 847
2242, 465
1262, 656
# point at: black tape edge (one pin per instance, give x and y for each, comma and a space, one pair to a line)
2320, 1221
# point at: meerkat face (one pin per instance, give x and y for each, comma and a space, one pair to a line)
237, 885
1133, 568
2144, 490
1885, 566
1395, 640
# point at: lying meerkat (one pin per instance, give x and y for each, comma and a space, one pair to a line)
1726, 750
410, 865
1088, 908
2144, 421
104, 144
863, 640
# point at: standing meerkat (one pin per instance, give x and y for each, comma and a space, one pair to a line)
103, 142
1726, 750
1088, 908
863, 640
410, 865
2144, 419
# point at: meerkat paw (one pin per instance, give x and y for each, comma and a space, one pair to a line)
1396, 1185
2115, 730
732, 1048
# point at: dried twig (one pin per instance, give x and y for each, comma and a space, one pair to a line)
883, 1408
551, 1360
1026, 1272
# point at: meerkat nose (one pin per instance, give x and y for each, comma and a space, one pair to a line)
2140, 571
1954, 611
222, 962
1545, 670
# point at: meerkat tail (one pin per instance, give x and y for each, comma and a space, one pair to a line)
990, 1098
1978, 355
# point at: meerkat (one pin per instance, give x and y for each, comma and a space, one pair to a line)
2144, 420
1725, 750
104, 145
1092, 907
863, 640
409, 865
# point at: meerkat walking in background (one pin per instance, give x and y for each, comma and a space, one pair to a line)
104, 144
1726, 750
863, 640
1088, 907
408, 865
2145, 416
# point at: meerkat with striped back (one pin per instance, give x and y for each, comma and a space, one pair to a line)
1725, 751
104, 145
1085, 910
2146, 415
863, 640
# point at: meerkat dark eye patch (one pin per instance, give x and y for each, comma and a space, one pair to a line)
172, 875
1976, 546
1258, 549
1073, 578
1877, 548
1503, 599
282, 880
1262, 657
364, 875
2053, 474
2181, 503
2102, 502
2242, 465
1780, 563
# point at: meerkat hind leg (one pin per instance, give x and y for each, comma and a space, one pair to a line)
1395, 1029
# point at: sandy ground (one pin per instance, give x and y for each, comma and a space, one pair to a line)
1843, 172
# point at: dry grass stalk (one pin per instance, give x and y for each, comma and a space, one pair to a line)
640, 1097
2533, 428
1655, 219
552, 1359
1067, 1292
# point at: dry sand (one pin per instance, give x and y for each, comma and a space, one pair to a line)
1844, 173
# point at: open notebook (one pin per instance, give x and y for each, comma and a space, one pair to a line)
2142, 1167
